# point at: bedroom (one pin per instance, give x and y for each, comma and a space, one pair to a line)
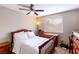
55, 19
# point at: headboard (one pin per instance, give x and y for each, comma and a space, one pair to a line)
12, 34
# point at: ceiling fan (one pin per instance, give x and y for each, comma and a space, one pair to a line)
31, 8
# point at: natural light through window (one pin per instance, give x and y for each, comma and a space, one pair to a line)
53, 24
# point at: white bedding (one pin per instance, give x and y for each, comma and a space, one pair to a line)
28, 46
36, 41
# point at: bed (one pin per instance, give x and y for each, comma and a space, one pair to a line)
34, 45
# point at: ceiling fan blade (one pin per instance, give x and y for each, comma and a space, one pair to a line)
28, 13
23, 5
35, 13
23, 9
39, 10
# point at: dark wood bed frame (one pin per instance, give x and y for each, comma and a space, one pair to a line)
55, 38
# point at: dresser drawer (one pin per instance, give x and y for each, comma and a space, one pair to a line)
4, 48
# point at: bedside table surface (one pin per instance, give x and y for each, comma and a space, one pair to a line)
4, 43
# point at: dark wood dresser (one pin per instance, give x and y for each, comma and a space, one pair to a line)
74, 43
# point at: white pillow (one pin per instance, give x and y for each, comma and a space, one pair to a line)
20, 35
30, 34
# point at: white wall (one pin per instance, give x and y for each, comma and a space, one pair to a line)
11, 21
70, 23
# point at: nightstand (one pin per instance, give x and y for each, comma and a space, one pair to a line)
5, 47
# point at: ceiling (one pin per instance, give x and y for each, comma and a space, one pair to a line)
48, 8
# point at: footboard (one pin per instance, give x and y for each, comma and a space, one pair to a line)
48, 46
